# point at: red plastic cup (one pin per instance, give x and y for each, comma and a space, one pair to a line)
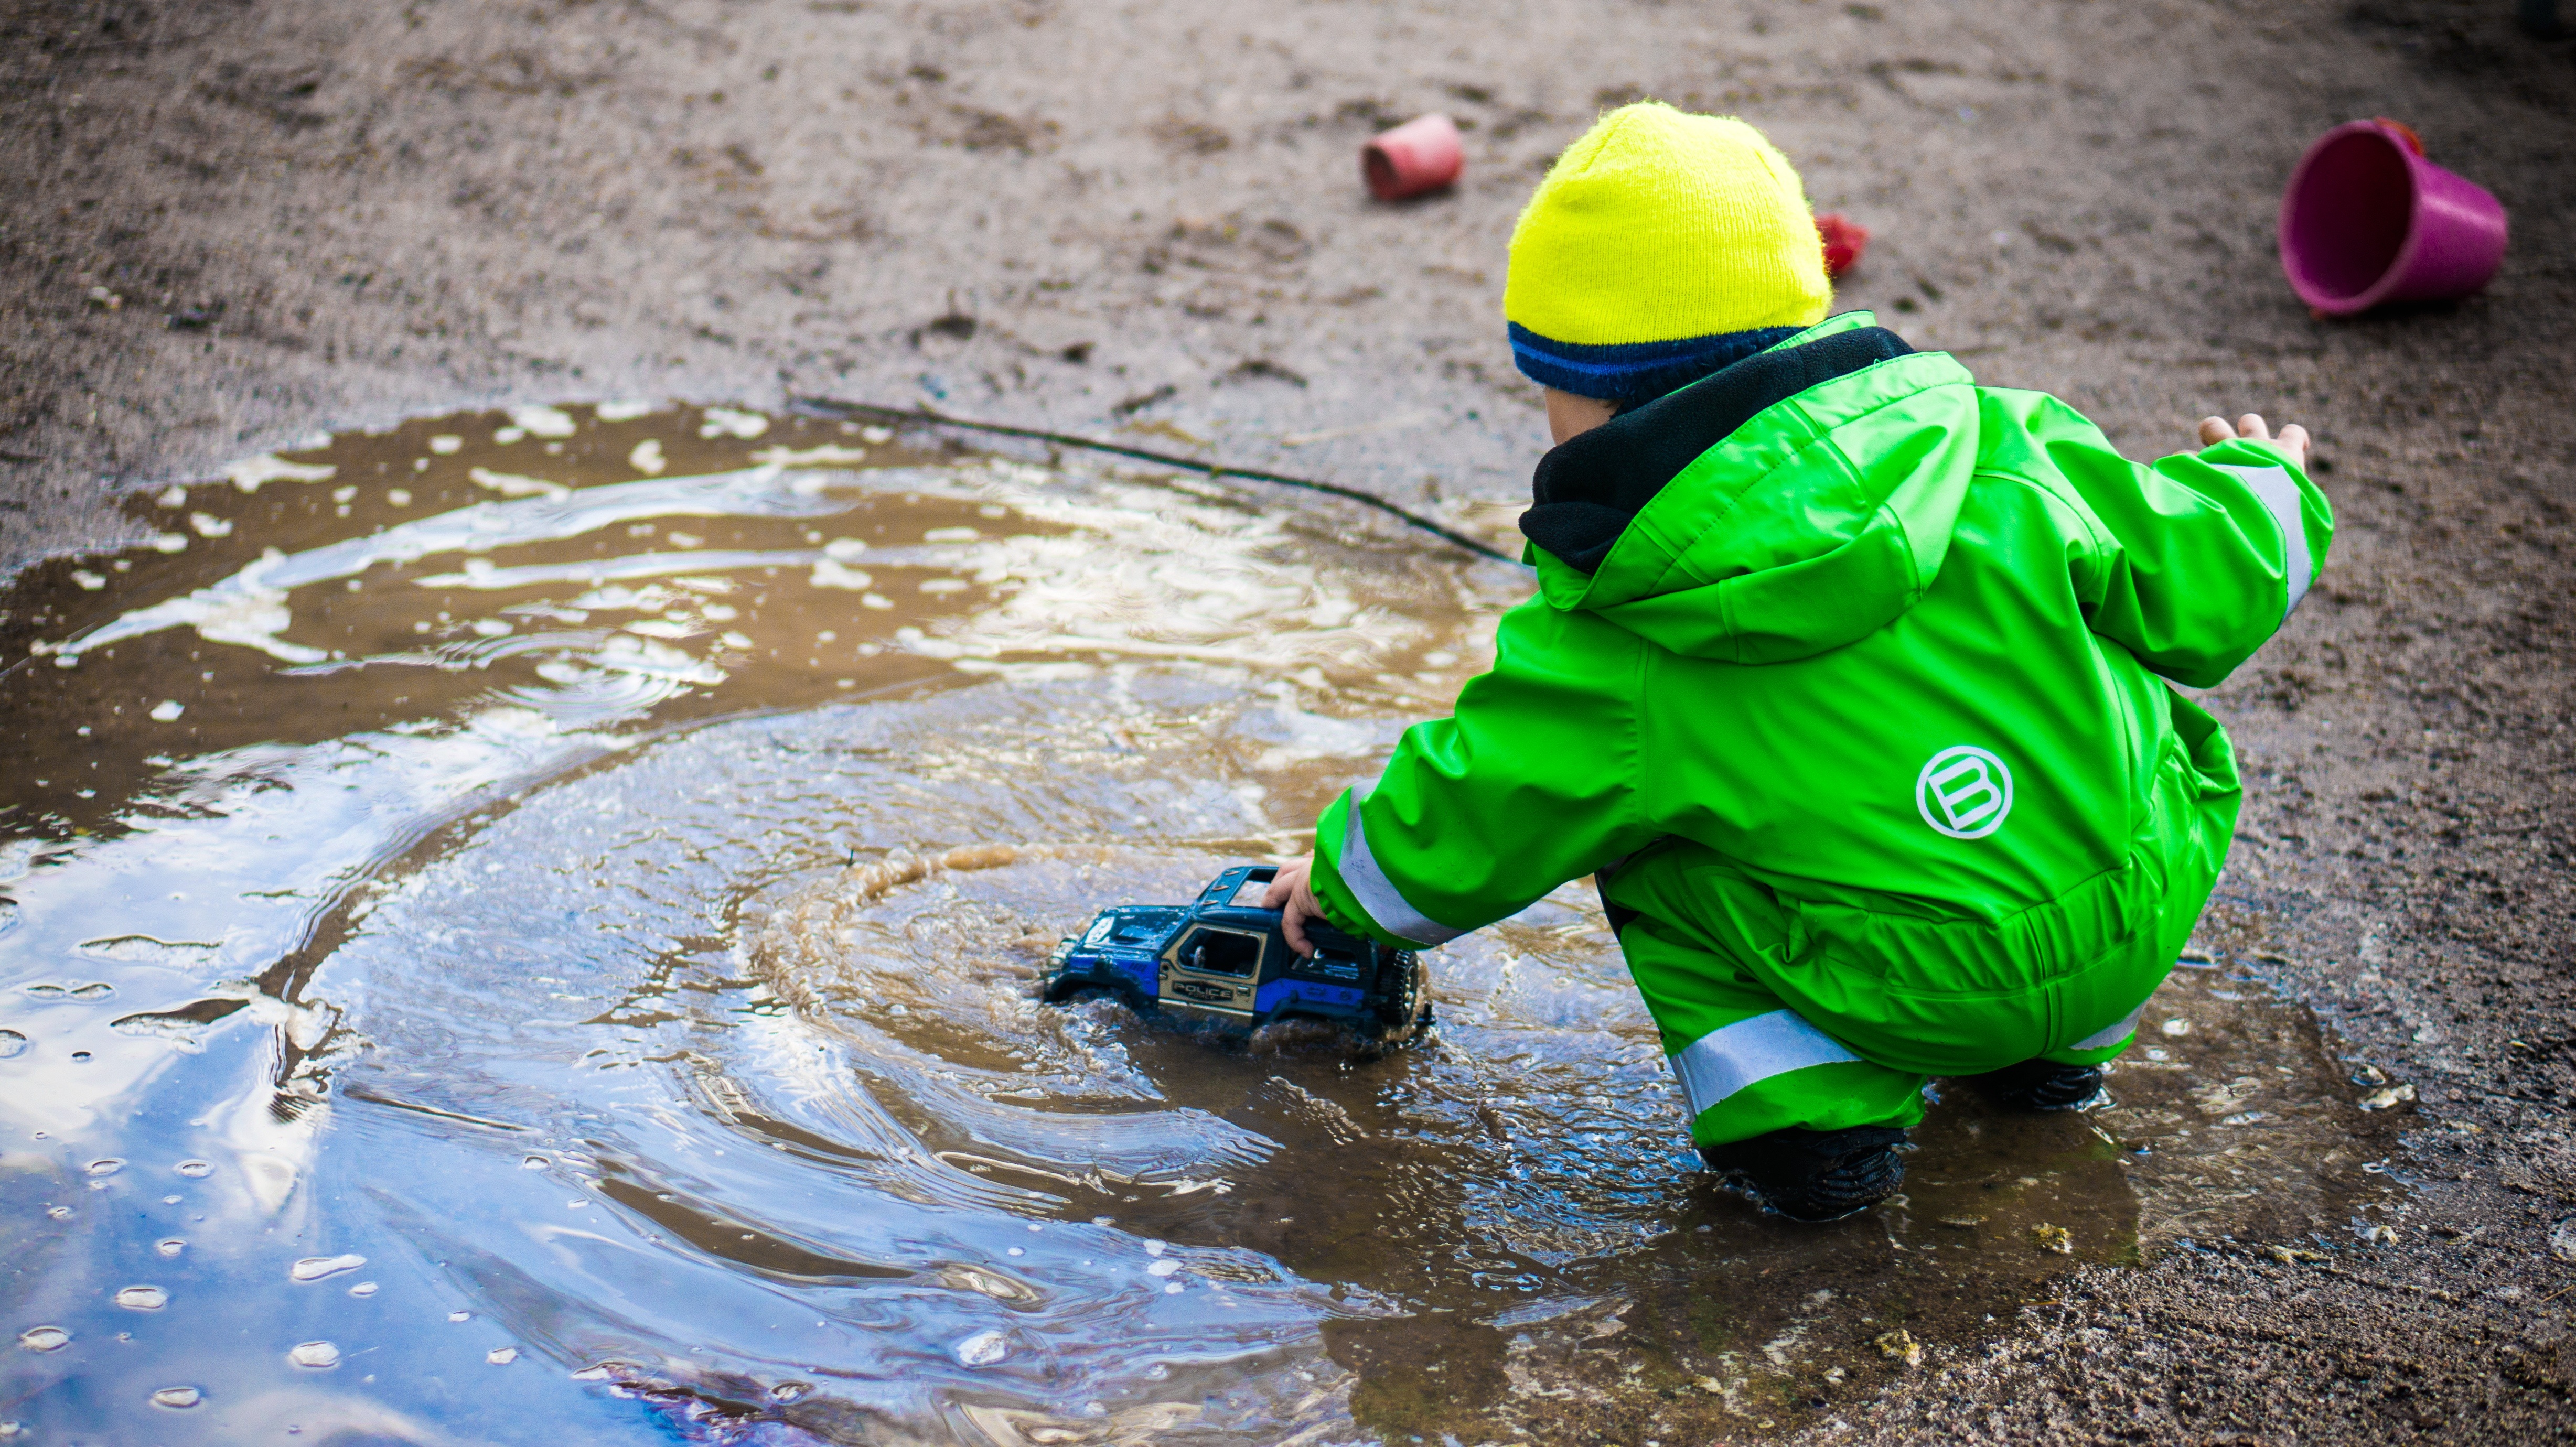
2366, 219
1420, 155
1844, 240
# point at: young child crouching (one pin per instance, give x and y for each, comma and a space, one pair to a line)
1846, 677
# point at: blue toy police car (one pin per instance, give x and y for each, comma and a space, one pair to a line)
1228, 964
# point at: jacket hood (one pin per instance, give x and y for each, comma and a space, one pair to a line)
1794, 502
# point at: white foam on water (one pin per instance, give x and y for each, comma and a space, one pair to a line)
250, 607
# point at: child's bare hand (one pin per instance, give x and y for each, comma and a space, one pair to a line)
2293, 439
1294, 898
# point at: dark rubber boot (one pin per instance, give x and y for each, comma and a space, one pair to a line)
2043, 1085
1811, 1175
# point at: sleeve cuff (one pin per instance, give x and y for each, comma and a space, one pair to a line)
2267, 473
1355, 893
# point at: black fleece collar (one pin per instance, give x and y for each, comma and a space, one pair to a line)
1590, 488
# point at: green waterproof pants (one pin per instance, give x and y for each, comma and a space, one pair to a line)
1778, 1011
1749, 1063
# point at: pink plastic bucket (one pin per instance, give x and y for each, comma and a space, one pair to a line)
2367, 219
1420, 155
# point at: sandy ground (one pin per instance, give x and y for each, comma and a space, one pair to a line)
230, 225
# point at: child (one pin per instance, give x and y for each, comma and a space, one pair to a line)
1846, 679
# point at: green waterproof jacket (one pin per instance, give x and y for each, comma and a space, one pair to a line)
1874, 659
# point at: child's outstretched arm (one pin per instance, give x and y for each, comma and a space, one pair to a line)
2194, 562
1530, 783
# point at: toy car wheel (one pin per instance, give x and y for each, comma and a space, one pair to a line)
1404, 997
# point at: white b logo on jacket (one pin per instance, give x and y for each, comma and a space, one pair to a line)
1965, 792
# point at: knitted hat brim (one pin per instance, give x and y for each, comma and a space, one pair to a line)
1634, 371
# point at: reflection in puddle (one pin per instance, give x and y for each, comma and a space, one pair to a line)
523, 926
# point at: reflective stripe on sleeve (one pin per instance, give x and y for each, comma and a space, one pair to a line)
2279, 494
2112, 1034
1376, 893
1724, 1061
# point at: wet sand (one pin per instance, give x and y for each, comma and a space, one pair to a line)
346, 216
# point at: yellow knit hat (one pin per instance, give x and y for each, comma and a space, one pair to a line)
1655, 235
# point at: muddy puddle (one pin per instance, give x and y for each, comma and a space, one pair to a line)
520, 929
